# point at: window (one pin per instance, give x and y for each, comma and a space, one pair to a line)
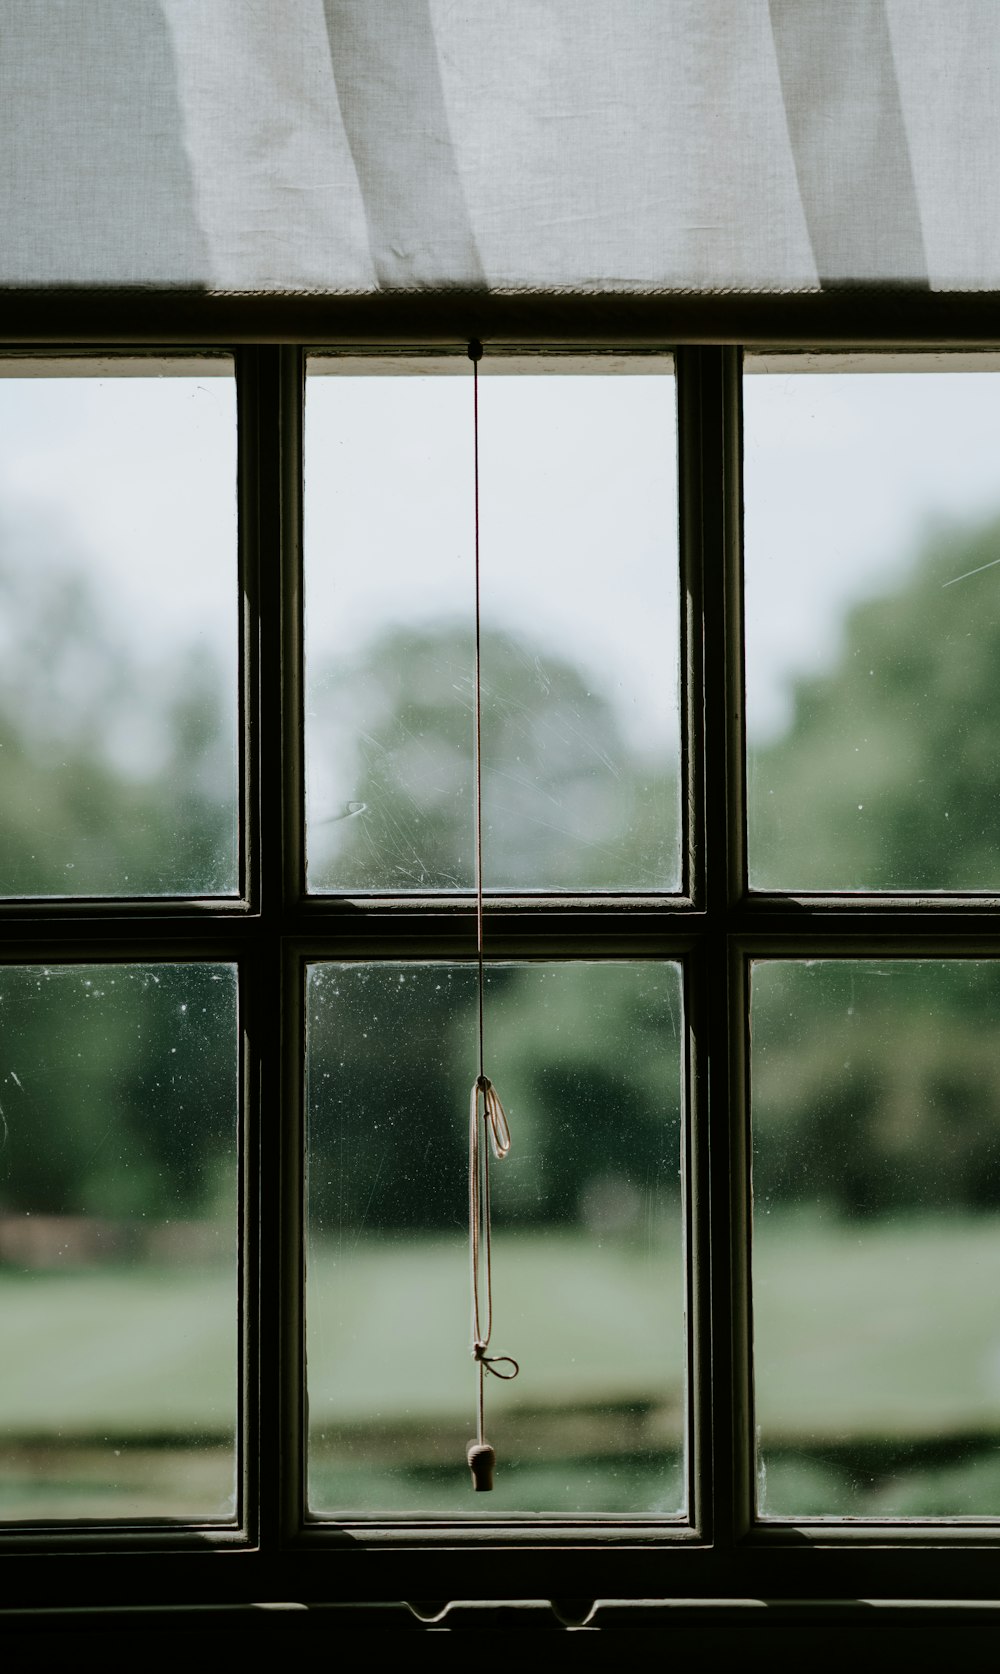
871, 507
119, 1205
324, 918
581, 721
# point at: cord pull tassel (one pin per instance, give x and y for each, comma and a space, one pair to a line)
482, 1463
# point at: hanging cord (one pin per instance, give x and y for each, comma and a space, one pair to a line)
481, 1456
476, 355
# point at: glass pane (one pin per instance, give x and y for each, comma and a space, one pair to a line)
876, 1260
872, 554
580, 636
118, 1242
118, 632
587, 1244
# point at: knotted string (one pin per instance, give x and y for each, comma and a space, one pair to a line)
494, 1120
494, 1117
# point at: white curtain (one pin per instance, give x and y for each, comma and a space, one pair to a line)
545, 146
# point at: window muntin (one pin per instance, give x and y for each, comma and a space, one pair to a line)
581, 644
119, 628
588, 1240
119, 1258
872, 532
876, 1169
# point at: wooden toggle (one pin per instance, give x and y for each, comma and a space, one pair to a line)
482, 1463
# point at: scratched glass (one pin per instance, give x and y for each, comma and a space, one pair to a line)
588, 1241
876, 1260
873, 633
118, 1242
580, 647
118, 628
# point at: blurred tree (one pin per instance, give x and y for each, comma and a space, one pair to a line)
118, 1087
565, 803
889, 779
587, 1060
587, 1056
115, 770
908, 725
889, 775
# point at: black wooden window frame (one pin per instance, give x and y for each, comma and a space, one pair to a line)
715, 927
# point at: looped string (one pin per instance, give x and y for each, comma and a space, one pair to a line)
494, 1120
496, 1117
492, 1361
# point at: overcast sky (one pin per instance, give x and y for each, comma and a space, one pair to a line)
845, 477
136, 477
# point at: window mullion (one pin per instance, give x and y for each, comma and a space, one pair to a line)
271, 493
710, 467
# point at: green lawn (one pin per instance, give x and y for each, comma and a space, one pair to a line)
588, 1322
119, 1352
861, 1330
593, 1424
878, 1367
879, 1336
118, 1394
880, 1329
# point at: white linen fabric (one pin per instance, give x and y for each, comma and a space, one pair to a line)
566, 146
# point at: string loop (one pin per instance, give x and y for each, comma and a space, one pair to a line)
492, 1361
496, 1117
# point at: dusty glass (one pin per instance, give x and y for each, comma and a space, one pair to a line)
873, 635
580, 645
118, 628
588, 1248
876, 1260
118, 1242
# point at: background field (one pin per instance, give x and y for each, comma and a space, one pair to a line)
877, 1352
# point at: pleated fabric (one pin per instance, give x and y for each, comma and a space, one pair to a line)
350, 147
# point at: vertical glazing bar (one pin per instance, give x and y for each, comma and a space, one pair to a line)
291, 802
273, 409
710, 464
247, 493
738, 1021
692, 648
287, 972
248, 499
695, 1155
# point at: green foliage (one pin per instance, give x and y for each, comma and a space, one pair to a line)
896, 1110
875, 1087
118, 1089
876, 1084
889, 776
565, 804
116, 770
587, 1058
117, 1083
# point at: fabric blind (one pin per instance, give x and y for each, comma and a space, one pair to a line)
546, 146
